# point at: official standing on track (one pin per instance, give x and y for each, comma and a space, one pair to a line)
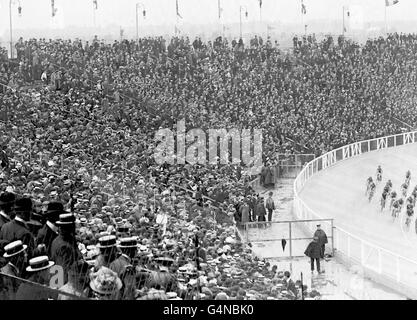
322, 237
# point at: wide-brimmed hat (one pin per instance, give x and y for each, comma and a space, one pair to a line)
66, 219
107, 242
14, 248
105, 281
39, 263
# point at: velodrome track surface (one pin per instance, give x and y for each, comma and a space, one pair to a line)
338, 192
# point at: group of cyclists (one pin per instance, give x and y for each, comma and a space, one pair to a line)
397, 202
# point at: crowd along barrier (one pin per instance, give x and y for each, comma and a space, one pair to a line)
383, 266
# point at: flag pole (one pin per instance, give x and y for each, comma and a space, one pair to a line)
137, 23
302, 14
177, 17
343, 21
94, 15
260, 11
11, 29
240, 21
220, 17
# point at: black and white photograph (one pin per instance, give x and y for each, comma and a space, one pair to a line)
220, 151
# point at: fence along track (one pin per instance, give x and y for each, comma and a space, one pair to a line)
398, 272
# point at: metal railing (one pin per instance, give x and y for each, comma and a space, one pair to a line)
291, 231
16, 288
391, 269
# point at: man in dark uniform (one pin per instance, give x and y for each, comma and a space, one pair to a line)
322, 239
50, 230
313, 251
64, 248
17, 228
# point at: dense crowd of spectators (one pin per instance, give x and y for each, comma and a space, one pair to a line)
79, 121
87, 148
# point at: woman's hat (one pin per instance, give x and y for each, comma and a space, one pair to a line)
66, 219
39, 263
106, 242
14, 248
130, 242
105, 281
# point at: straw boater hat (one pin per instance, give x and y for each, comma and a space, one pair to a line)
14, 248
164, 261
105, 281
39, 263
123, 229
106, 242
66, 219
130, 242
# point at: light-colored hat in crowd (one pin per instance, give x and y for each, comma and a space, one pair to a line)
130, 242
14, 248
39, 263
106, 242
105, 282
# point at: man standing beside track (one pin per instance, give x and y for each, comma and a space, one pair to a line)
270, 206
322, 238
